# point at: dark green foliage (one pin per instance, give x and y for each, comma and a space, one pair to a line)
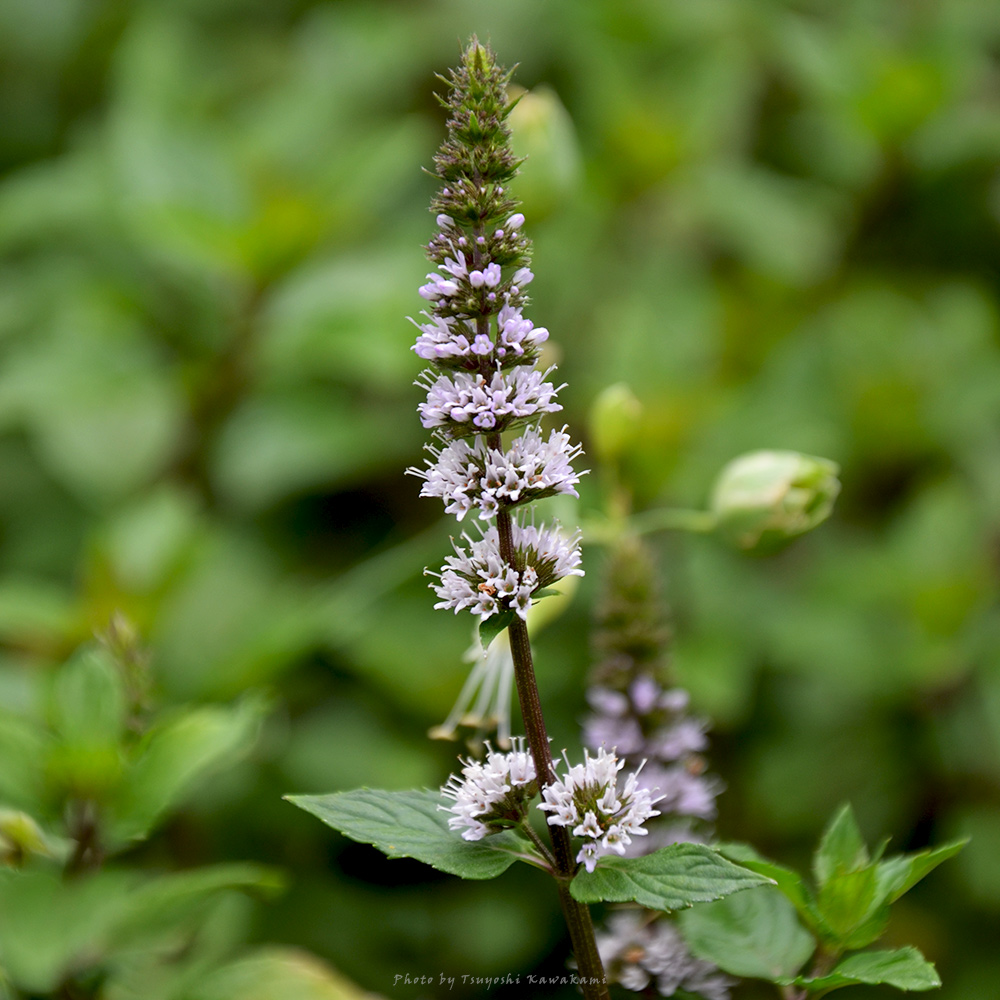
771, 934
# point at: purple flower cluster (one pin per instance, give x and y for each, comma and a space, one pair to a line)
647, 723
482, 382
640, 951
588, 800
477, 578
476, 477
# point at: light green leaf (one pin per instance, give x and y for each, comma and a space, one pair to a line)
841, 849
23, 748
671, 878
754, 934
493, 626
156, 908
904, 968
277, 974
50, 926
88, 700
789, 882
175, 755
410, 825
898, 874
846, 901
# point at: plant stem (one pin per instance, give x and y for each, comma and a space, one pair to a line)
673, 519
577, 916
532, 835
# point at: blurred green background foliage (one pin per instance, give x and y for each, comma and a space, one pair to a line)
778, 221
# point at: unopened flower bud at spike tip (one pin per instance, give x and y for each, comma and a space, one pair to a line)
765, 499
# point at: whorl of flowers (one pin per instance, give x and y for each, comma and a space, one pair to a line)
491, 794
588, 800
640, 950
482, 351
478, 579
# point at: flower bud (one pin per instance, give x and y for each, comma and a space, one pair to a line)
614, 421
19, 837
765, 499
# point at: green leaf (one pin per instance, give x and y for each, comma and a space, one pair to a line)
904, 968
88, 700
846, 901
50, 925
155, 909
410, 825
546, 592
788, 882
493, 626
841, 849
174, 756
754, 934
276, 973
671, 878
23, 748
900, 873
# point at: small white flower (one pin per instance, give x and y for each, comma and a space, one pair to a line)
467, 403
491, 794
477, 577
470, 476
587, 799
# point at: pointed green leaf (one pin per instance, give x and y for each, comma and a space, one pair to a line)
671, 878
842, 848
846, 901
899, 874
904, 968
493, 626
174, 755
754, 934
410, 825
88, 700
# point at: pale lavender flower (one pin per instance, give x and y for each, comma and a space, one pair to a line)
647, 724
473, 476
640, 950
491, 794
588, 800
477, 578
469, 404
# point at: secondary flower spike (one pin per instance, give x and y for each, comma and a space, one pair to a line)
481, 350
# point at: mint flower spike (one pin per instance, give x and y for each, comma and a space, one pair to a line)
481, 383
482, 350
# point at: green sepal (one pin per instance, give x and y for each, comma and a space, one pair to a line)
904, 968
493, 626
751, 934
410, 825
671, 878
